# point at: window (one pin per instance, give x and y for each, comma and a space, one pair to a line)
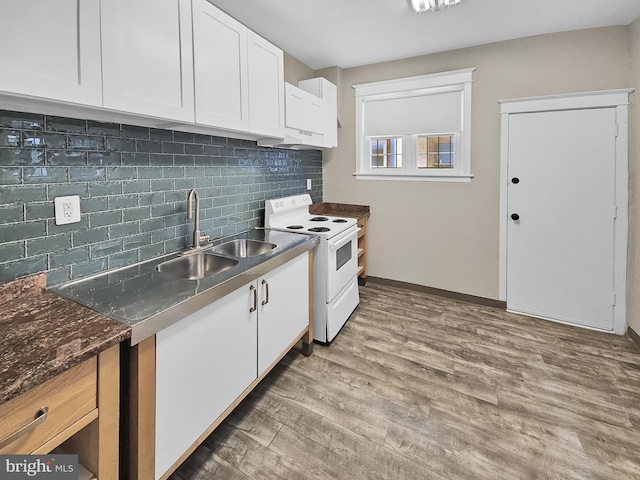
386, 152
415, 128
435, 151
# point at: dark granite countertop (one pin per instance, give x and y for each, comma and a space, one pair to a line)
43, 334
340, 210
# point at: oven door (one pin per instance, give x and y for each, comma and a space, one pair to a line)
342, 261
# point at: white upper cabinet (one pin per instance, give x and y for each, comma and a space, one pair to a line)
311, 119
183, 64
51, 49
266, 87
239, 76
147, 57
328, 117
303, 110
220, 60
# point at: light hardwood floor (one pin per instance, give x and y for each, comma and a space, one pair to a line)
420, 387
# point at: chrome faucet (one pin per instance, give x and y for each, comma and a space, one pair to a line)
198, 239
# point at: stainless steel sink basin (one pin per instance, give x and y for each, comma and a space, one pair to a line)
243, 248
196, 265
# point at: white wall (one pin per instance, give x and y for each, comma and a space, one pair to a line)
633, 274
445, 235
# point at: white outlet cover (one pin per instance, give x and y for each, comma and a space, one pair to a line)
308, 184
67, 209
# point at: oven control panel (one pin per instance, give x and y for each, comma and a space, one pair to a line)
288, 203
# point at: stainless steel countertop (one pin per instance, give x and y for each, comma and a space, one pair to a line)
149, 301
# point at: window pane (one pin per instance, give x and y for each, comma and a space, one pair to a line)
435, 151
386, 152
445, 160
422, 160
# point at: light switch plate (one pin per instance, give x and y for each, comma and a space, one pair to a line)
67, 209
308, 184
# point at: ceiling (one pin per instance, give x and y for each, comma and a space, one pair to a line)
349, 33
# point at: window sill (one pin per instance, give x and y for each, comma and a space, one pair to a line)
415, 178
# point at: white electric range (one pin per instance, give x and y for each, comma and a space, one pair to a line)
335, 260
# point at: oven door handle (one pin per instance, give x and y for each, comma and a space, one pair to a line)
344, 240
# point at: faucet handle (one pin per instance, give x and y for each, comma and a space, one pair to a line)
204, 239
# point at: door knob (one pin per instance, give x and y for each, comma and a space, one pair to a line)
515, 216
515, 180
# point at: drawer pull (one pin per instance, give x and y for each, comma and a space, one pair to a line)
255, 298
266, 287
40, 417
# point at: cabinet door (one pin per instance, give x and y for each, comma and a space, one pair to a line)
313, 114
303, 110
266, 87
294, 107
51, 49
283, 309
147, 57
327, 91
203, 363
220, 63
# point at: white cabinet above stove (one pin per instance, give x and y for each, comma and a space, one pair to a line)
303, 111
310, 116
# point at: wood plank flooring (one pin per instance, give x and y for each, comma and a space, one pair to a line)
421, 387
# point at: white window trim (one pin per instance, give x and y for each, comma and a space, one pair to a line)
443, 82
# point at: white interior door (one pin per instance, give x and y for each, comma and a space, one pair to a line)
560, 252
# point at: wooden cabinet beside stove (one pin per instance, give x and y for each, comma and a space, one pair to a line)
362, 250
362, 213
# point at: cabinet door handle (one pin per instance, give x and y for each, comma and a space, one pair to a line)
266, 288
254, 290
40, 417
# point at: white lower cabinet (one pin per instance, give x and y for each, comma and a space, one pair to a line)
203, 363
283, 309
207, 360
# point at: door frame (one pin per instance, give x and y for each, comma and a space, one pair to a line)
618, 99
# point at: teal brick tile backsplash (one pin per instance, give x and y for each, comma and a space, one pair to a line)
133, 183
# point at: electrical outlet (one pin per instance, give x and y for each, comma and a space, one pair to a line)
67, 209
308, 184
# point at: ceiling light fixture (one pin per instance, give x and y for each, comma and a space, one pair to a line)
432, 5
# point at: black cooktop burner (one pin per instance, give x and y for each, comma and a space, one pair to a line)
319, 229
340, 220
295, 227
319, 219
